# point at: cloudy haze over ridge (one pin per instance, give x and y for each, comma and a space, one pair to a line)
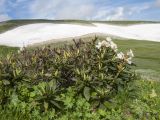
80, 9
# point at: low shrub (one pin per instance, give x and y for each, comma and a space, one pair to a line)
80, 77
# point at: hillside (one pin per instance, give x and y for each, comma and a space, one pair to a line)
78, 81
64, 79
30, 32
7, 25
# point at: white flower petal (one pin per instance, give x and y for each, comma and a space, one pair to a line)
105, 43
98, 46
129, 60
120, 55
130, 53
108, 39
113, 46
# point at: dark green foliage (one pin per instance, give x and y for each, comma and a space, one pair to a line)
39, 82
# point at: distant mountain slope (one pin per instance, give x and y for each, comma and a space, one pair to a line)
7, 25
43, 32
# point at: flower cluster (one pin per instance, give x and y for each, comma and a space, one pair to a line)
109, 43
126, 57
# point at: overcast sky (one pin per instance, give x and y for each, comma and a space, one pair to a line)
80, 9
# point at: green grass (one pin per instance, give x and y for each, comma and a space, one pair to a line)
138, 100
126, 22
147, 54
147, 57
4, 51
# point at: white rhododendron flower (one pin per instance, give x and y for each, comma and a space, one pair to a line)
99, 45
129, 60
113, 46
103, 44
130, 53
127, 57
108, 39
120, 55
107, 43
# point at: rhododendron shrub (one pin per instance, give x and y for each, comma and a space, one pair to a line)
95, 70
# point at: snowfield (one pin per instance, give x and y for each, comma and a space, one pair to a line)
40, 32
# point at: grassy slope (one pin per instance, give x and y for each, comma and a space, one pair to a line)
4, 50
147, 56
146, 52
126, 22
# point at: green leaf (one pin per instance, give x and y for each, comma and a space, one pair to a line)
5, 82
108, 105
45, 106
55, 104
112, 68
102, 112
18, 71
86, 93
52, 85
5, 75
14, 99
32, 94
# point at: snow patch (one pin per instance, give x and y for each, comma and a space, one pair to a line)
40, 32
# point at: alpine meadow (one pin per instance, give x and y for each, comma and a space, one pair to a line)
79, 60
